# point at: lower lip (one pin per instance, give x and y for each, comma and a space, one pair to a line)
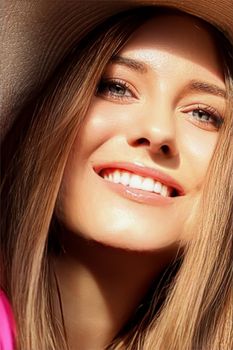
137, 195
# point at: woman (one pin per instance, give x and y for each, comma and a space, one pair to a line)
118, 212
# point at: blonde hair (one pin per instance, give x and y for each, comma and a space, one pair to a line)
197, 310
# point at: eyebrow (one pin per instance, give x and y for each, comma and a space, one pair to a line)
131, 63
193, 86
204, 87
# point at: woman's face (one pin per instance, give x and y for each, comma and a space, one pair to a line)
136, 169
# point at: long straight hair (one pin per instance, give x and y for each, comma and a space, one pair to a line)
197, 310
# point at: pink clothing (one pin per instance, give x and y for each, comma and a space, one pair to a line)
7, 324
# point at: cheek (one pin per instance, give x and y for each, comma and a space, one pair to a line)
196, 150
104, 121
100, 125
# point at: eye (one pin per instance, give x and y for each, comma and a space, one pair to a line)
206, 116
202, 115
115, 88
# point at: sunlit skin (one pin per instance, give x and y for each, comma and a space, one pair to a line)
157, 106
165, 115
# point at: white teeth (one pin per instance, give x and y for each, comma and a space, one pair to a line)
164, 191
108, 177
157, 187
136, 181
116, 176
148, 184
125, 178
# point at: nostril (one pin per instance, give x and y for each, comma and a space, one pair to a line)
143, 141
165, 149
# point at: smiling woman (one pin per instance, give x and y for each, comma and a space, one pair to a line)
117, 228
155, 115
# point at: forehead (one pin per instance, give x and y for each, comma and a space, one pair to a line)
168, 27
180, 35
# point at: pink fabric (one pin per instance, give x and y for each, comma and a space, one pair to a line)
7, 324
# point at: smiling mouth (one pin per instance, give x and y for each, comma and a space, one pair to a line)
135, 181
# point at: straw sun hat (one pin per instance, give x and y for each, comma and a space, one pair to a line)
37, 33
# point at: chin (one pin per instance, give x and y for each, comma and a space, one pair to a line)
126, 238
124, 224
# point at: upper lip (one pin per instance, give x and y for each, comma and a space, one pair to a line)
144, 171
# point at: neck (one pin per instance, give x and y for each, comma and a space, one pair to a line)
101, 287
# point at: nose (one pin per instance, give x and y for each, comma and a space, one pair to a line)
156, 131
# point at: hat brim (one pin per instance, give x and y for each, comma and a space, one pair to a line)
36, 34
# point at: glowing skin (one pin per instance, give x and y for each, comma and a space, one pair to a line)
151, 122
160, 108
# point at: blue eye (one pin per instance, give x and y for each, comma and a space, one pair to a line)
114, 88
117, 89
207, 116
201, 115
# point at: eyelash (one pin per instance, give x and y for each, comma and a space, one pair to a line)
210, 111
115, 82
